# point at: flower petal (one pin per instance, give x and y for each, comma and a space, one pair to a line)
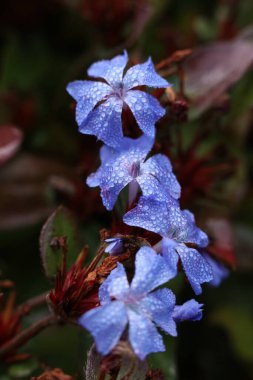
87, 94
115, 286
220, 272
153, 215
118, 170
144, 74
160, 168
150, 271
106, 324
143, 335
109, 69
93, 180
196, 267
105, 122
151, 187
170, 255
146, 110
159, 305
115, 246
193, 234
189, 311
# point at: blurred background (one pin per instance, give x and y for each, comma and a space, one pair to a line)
44, 160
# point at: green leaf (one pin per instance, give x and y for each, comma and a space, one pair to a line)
23, 370
58, 234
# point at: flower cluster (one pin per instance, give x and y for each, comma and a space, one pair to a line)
127, 162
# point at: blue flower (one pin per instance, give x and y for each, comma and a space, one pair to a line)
189, 311
114, 247
100, 104
220, 272
128, 166
181, 237
134, 305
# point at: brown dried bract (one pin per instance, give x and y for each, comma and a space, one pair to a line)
177, 57
54, 374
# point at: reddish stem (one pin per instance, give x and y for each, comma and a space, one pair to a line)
25, 335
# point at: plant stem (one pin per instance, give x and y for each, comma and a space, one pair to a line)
25, 335
31, 303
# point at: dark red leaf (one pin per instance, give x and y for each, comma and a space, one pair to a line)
213, 68
10, 140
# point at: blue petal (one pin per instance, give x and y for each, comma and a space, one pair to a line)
220, 272
170, 255
111, 183
189, 311
153, 215
87, 94
144, 74
119, 170
196, 268
192, 233
161, 168
110, 190
146, 110
157, 174
142, 144
111, 70
107, 153
115, 286
150, 271
159, 305
151, 187
143, 335
105, 122
106, 324
115, 246
93, 180
86, 90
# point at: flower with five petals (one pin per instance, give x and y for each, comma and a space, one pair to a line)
128, 166
100, 103
181, 238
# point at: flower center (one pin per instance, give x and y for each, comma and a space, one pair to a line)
119, 91
135, 169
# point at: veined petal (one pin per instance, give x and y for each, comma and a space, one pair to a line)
153, 215
143, 335
160, 168
159, 305
196, 268
105, 122
106, 324
151, 187
146, 110
115, 286
87, 94
170, 255
88, 90
193, 234
113, 179
144, 74
109, 69
110, 190
120, 169
150, 271
143, 144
